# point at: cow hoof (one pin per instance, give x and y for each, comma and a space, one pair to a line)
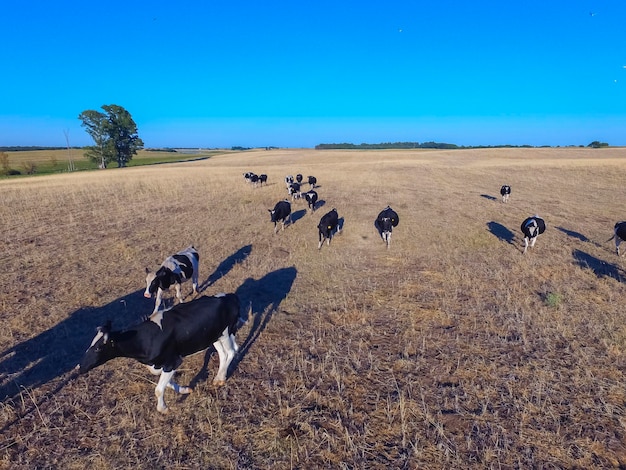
164, 411
185, 390
219, 383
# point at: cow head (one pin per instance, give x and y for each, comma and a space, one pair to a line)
272, 215
100, 351
163, 279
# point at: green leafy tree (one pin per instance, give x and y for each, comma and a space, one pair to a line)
115, 134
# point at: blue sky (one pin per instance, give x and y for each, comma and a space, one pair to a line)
207, 73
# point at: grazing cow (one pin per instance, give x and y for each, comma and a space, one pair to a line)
311, 199
247, 176
326, 227
619, 234
294, 190
532, 227
254, 179
312, 182
288, 180
505, 192
280, 213
386, 220
262, 179
299, 178
176, 269
161, 345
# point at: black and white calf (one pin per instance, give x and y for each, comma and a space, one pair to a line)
299, 178
175, 270
280, 213
311, 199
505, 192
532, 227
326, 227
262, 179
288, 180
619, 234
385, 222
294, 190
312, 182
181, 331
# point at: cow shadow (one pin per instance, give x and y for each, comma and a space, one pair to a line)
487, 196
297, 215
225, 266
501, 232
573, 234
56, 351
319, 203
259, 299
340, 224
599, 267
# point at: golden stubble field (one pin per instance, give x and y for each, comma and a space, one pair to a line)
449, 350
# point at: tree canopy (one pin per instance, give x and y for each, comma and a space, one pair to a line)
114, 134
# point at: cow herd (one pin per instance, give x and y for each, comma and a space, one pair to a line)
168, 335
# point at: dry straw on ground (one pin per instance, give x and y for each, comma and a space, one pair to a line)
449, 350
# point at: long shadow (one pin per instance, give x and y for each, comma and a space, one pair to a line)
319, 203
501, 232
600, 268
225, 266
571, 233
487, 196
54, 352
297, 215
261, 298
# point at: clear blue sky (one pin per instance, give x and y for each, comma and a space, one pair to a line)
201, 73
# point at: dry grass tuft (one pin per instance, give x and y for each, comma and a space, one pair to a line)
449, 350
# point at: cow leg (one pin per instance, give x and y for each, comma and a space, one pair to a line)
234, 342
157, 302
532, 241
525, 244
159, 391
225, 348
617, 242
179, 294
194, 281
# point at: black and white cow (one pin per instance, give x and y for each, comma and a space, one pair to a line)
280, 213
247, 175
294, 190
326, 227
312, 182
619, 234
288, 180
532, 227
179, 332
505, 192
385, 222
299, 178
262, 179
175, 270
311, 199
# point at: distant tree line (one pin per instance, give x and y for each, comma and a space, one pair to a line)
25, 148
433, 145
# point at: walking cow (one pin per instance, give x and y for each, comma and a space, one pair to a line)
311, 199
280, 213
505, 192
619, 234
175, 270
326, 227
385, 222
532, 227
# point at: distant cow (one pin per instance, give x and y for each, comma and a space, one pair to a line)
175, 270
294, 190
385, 222
619, 234
505, 192
254, 179
311, 199
326, 227
262, 179
312, 181
532, 227
299, 178
288, 180
280, 213
247, 175
179, 332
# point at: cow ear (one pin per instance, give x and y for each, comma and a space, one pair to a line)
147, 270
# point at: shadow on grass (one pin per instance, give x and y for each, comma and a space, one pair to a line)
225, 266
573, 234
54, 352
487, 196
297, 215
501, 232
599, 267
261, 298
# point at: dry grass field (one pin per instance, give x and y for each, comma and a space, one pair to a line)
451, 349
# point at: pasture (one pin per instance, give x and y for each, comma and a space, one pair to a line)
451, 349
